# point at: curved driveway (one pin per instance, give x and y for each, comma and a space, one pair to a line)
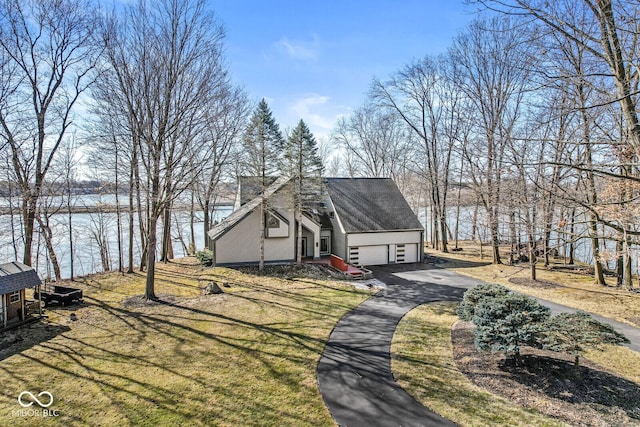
354, 372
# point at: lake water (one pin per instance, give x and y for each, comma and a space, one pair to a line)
87, 254
85, 228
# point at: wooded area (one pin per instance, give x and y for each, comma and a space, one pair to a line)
530, 118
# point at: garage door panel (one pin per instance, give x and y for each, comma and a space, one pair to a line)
407, 253
370, 255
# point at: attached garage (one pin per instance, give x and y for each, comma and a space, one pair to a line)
407, 253
369, 255
383, 247
372, 222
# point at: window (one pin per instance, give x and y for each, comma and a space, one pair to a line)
324, 244
273, 222
14, 297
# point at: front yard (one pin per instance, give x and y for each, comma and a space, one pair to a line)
246, 357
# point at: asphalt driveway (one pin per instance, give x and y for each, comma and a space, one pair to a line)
354, 372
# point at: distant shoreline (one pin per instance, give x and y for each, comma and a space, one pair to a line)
101, 208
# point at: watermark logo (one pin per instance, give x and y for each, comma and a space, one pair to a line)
44, 399
42, 404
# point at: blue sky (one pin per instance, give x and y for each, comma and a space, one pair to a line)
315, 60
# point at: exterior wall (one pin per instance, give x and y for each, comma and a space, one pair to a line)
313, 237
326, 234
241, 244
382, 248
339, 243
384, 238
13, 311
308, 250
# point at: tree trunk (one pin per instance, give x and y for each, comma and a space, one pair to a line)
598, 270
131, 223
515, 248
166, 235
29, 217
149, 292
118, 219
572, 245
192, 236
207, 223
495, 237
48, 241
262, 226
532, 261
70, 219
619, 261
299, 236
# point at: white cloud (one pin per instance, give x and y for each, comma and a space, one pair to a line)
312, 109
300, 50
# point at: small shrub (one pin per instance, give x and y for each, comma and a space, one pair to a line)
205, 257
506, 322
474, 295
576, 332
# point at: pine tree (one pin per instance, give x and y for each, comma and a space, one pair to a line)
574, 333
302, 162
262, 142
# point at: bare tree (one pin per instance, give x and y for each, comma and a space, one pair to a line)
492, 54
376, 140
47, 58
224, 126
425, 99
166, 59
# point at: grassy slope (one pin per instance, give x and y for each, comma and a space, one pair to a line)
247, 357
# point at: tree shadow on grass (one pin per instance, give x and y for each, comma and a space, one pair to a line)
179, 327
26, 336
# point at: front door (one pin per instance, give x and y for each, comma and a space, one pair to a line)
325, 248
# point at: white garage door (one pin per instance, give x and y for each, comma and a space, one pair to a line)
369, 255
407, 253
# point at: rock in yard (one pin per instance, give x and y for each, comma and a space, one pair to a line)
212, 289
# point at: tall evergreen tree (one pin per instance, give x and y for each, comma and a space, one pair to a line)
262, 143
303, 164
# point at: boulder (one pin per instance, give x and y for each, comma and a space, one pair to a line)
212, 289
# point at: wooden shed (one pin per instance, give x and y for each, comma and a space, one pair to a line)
15, 279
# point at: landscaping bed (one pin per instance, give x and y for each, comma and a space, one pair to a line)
544, 381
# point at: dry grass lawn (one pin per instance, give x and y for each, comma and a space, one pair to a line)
246, 357
434, 370
422, 362
571, 289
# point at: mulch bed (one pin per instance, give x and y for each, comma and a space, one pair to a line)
289, 271
545, 382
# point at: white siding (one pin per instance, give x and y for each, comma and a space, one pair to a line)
383, 238
242, 242
407, 253
384, 247
372, 255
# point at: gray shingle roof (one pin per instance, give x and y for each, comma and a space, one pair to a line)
250, 187
371, 204
15, 276
237, 215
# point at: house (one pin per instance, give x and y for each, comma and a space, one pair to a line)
365, 221
15, 278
